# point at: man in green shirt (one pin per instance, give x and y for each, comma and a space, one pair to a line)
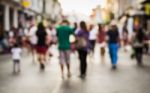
63, 34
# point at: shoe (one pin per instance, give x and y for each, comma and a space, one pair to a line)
140, 64
42, 66
82, 76
114, 67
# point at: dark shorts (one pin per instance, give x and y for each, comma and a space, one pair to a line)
16, 61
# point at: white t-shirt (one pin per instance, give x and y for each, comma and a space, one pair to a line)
93, 34
32, 35
16, 53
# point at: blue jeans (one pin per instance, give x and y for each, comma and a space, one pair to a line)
113, 52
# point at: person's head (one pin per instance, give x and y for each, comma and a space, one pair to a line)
100, 27
113, 25
16, 45
65, 22
83, 26
41, 27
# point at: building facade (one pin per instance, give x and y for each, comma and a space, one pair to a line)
16, 12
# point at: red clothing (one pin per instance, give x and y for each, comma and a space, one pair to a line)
41, 50
101, 36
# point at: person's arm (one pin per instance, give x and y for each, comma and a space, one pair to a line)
12, 50
72, 31
107, 36
118, 38
57, 31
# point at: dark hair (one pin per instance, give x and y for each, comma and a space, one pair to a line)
75, 26
83, 26
41, 27
65, 21
99, 27
16, 45
91, 27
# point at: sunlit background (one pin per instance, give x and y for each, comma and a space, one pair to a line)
81, 6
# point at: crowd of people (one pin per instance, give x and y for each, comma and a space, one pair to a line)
38, 39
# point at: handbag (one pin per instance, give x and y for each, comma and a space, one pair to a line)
81, 42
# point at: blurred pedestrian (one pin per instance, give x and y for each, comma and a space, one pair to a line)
63, 33
83, 47
16, 56
138, 44
41, 45
32, 39
13, 37
53, 34
93, 37
73, 38
146, 41
113, 44
125, 37
101, 40
75, 26
2, 45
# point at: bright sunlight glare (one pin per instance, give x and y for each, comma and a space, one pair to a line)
80, 6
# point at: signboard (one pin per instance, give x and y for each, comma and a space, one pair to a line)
26, 3
147, 9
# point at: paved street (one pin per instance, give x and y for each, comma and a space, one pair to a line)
128, 78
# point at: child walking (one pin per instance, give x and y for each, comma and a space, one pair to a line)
16, 56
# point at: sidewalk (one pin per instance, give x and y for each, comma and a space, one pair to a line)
5, 57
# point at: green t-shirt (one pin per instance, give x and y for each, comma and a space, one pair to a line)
63, 33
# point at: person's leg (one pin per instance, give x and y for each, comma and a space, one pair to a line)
40, 59
81, 61
91, 42
14, 66
33, 51
114, 55
92, 45
18, 66
67, 56
102, 53
62, 61
84, 62
62, 69
94, 42
147, 48
111, 52
140, 56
